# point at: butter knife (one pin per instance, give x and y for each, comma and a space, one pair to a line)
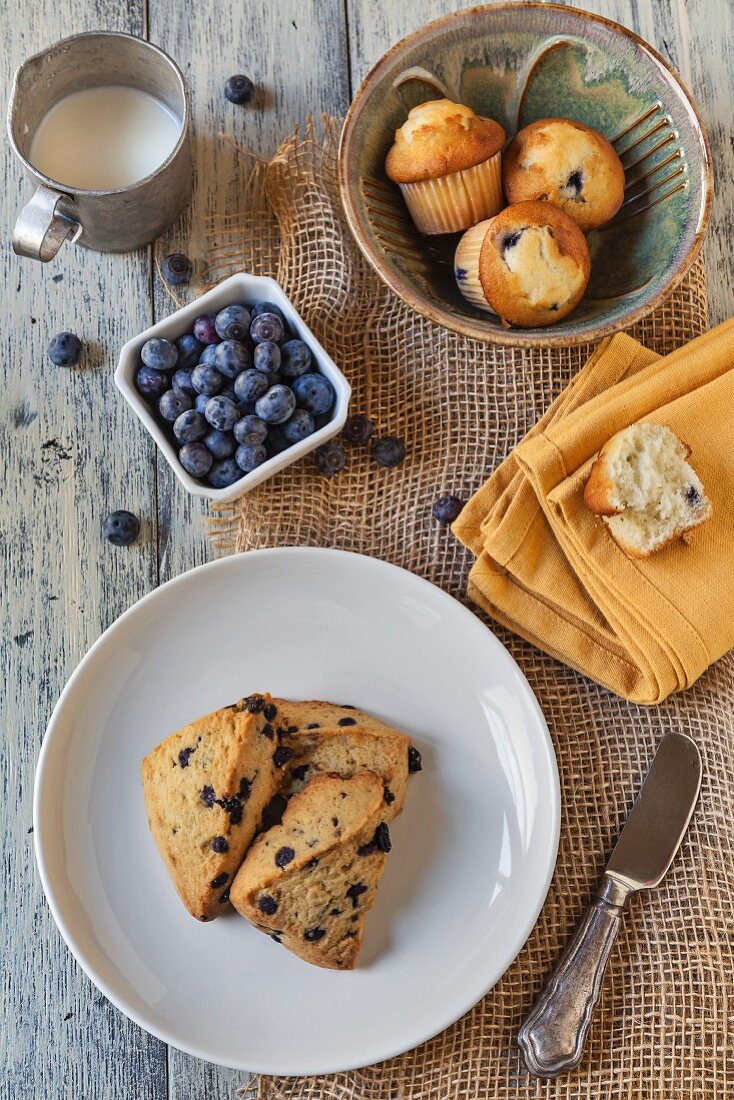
553, 1037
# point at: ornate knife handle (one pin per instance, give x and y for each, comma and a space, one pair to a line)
553, 1037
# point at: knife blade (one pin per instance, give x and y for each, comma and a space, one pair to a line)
553, 1036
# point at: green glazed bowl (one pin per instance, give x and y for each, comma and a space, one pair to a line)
517, 63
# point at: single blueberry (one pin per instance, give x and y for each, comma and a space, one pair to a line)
159, 354
382, 838
358, 430
331, 458
388, 451
222, 413
314, 392
207, 380
299, 426
284, 856
207, 796
224, 473
347, 722
354, 892
267, 905
267, 307
184, 755
296, 358
389, 797
415, 760
447, 509
249, 457
195, 459
255, 704
221, 444
250, 385
172, 403
200, 402
313, 935
275, 406
205, 329
266, 357
231, 358
250, 429
233, 322
510, 240
267, 326
121, 528
693, 497
189, 426
219, 880
151, 383
176, 268
220, 844
282, 755
208, 355
574, 185
270, 712
181, 380
65, 348
239, 89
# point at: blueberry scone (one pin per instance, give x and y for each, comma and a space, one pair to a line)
309, 881
645, 490
205, 788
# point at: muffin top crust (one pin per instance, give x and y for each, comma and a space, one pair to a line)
439, 137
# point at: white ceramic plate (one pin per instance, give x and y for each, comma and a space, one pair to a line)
473, 851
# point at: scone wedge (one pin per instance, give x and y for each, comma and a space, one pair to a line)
309, 881
205, 788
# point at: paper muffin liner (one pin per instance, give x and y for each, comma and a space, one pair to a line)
448, 204
466, 265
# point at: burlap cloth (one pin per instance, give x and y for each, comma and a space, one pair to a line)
665, 1027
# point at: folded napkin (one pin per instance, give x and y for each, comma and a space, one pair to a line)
548, 568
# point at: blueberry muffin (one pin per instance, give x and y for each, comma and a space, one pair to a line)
205, 789
645, 489
309, 881
568, 164
447, 162
534, 265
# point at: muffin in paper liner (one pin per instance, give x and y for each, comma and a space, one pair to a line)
466, 265
450, 203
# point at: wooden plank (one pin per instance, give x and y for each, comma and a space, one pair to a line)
295, 53
71, 451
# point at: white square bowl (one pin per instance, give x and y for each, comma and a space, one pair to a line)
238, 289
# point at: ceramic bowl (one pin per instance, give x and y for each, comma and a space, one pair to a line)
517, 63
238, 288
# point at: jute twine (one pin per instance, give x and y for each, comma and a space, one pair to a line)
665, 1028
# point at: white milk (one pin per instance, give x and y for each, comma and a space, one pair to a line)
105, 137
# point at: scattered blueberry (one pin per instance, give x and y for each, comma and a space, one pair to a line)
255, 704
415, 760
208, 355
183, 756
182, 381
296, 358
219, 880
231, 358
358, 430
249, 457
239, 89
207, 796
382, 838
388, 451
250, 429
159, 354
389, 797
284, 856
313, 935
267, 307
176, 268
121, 528
220, 844
354, 892
331, 458
250, 385
314, 392
267, 326
222, 413
224, 473
266, 357
189, 426
207, 380
233, 323
267, 905
693, 497
172, 403
65, 349
151, 383
221, 444
205, 329
282, 755
447, 509
299, 426
574, 185
299, 773
195, 459
275, 406
510, 240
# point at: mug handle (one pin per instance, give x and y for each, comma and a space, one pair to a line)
43, 226
417, 75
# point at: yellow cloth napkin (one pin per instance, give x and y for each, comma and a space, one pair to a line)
548, 568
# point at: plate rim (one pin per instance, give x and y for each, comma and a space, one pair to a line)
255, 1065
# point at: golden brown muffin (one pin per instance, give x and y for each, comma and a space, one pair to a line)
534, 264
447, 163
568, 164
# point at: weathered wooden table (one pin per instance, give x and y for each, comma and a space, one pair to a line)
72, 451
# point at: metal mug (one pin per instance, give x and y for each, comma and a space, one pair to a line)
119, 219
